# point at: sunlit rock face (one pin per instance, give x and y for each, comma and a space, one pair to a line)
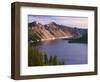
51, 31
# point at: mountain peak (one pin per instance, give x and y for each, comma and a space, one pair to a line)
32, 24
35, 23
53, 23
39, 22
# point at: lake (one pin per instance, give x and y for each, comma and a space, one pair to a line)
71, 53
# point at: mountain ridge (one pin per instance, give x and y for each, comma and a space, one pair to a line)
50, 31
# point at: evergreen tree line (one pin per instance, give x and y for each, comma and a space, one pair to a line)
36, 58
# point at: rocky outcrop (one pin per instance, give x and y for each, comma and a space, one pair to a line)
49, 31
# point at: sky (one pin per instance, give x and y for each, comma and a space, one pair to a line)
79, 22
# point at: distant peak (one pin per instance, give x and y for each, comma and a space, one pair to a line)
39, 22
54, 23
35, 23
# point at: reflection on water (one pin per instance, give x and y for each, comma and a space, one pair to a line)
71, 53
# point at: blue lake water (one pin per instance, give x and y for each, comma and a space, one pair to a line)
71, 53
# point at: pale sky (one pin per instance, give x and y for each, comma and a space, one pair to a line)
79, 22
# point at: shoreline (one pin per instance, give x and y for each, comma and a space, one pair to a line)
66, 37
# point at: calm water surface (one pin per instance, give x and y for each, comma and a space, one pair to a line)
71, 53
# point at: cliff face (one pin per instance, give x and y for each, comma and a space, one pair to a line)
38, 31
56, 31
